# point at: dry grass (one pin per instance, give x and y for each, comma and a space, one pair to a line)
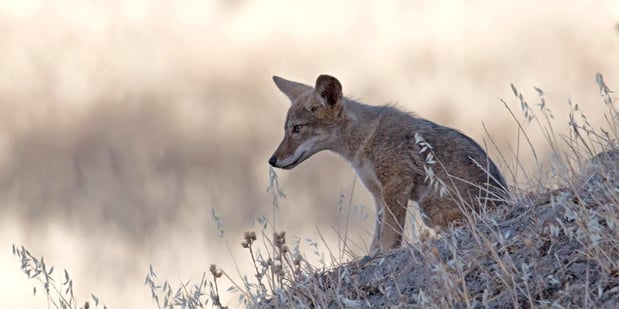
123, 123
553, 243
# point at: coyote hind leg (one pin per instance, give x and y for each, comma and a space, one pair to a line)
417, 229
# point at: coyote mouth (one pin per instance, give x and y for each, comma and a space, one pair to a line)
293, 164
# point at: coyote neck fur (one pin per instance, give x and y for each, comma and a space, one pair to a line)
359, 124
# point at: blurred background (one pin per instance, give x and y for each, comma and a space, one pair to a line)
124, 124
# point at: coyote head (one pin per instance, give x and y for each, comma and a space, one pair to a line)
312, 121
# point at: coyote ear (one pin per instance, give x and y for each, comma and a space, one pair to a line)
290, 88
329, 89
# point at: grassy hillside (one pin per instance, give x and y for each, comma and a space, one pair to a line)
553, 248
553, 243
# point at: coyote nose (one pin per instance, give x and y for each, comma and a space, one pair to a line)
272, 161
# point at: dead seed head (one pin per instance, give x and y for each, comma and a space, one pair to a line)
278, 270
250, 237
214, 271
279, 239
216, 301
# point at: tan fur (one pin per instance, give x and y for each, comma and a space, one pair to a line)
380, 143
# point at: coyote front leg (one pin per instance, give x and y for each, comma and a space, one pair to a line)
376, 247
390, 215
395, 195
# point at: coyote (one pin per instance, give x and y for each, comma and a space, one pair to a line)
397, 155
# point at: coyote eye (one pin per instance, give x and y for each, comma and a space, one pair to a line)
296, 128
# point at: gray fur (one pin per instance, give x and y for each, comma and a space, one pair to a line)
381, 143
